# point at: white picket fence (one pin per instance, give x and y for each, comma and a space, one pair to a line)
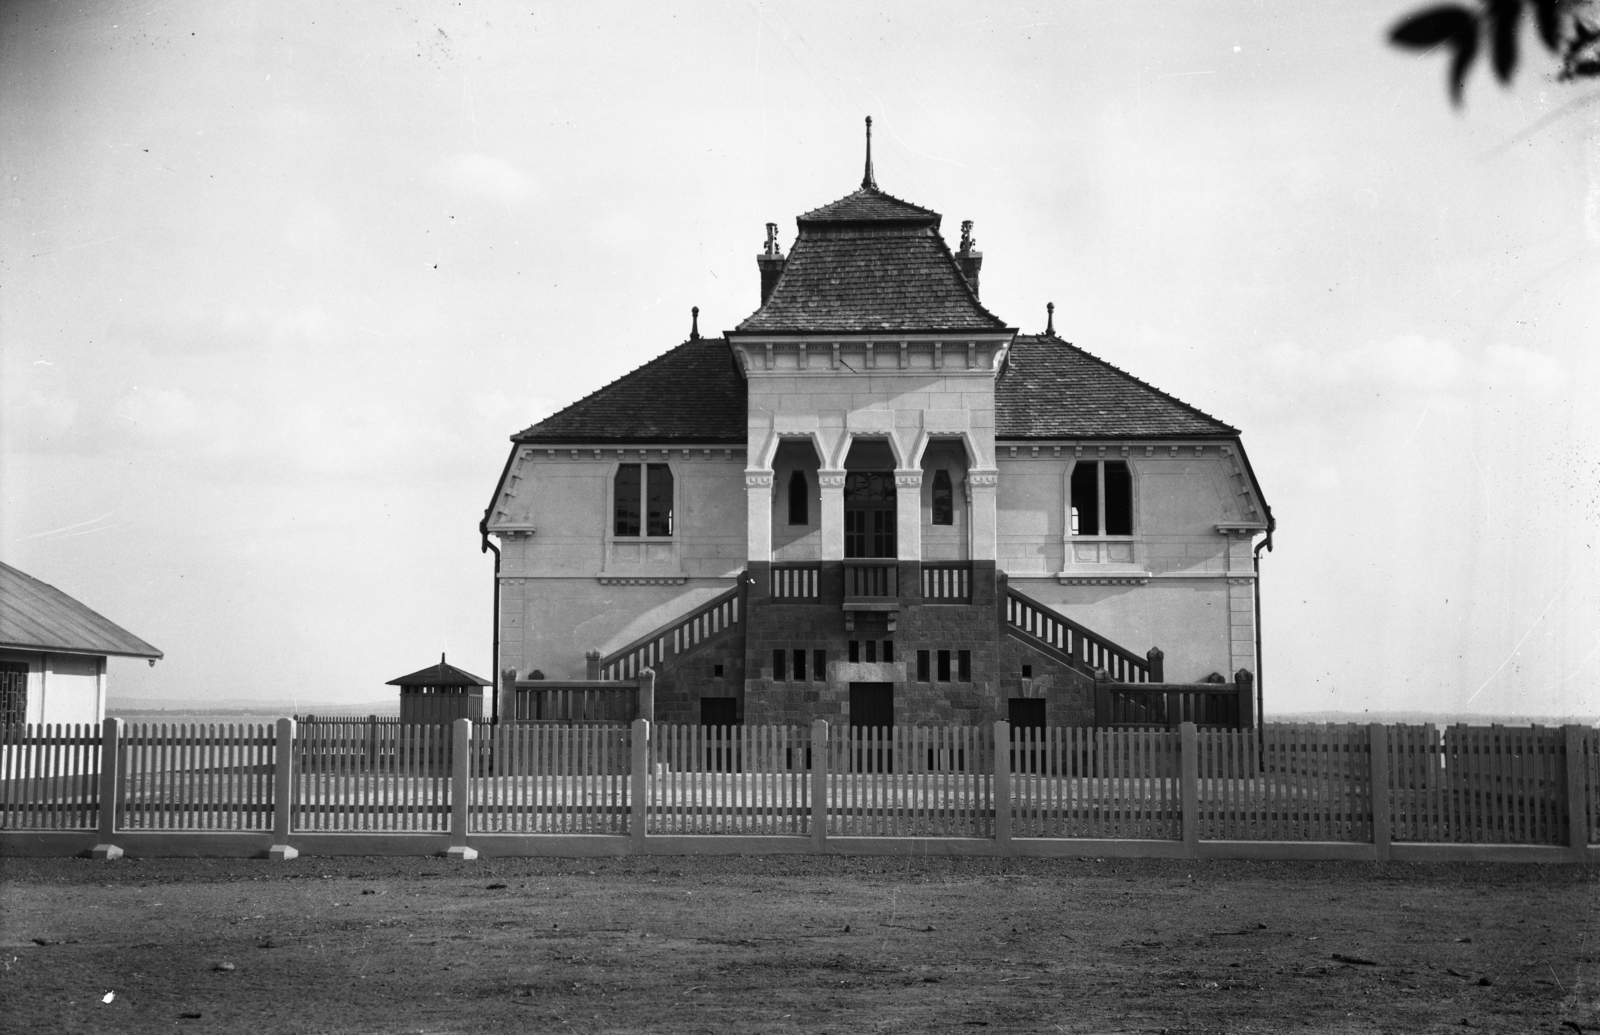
1322, 784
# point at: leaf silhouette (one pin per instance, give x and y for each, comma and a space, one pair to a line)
1429, 28
1505, 16
1466, 49
1547, 16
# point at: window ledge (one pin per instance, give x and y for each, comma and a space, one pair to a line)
642, 580
1102, 575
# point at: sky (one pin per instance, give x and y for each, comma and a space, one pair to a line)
277, 281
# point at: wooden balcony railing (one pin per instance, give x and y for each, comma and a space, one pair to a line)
797, 582
1083, 649
874, 581
711, 620
947, 582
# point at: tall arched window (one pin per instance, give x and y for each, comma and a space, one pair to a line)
799, 499
944, 499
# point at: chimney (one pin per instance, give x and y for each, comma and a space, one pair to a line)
771, 262
969, 257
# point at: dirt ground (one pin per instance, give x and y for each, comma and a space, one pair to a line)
794, 944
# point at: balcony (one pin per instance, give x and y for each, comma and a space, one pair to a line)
947, 582
799, 583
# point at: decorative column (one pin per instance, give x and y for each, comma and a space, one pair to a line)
908, 533
908, 514
758, 514
981, 486
832, 485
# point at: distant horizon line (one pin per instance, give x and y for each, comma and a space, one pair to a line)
279, 707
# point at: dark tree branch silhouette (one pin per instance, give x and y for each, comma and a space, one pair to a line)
1569, 29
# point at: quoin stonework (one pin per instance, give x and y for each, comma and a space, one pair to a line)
875, 502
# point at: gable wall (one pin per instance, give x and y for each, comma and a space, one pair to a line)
569, 586
1188, 587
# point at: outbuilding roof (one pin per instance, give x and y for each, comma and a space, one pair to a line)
37, 616
441, 674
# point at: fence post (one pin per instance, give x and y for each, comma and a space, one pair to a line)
1577, 794
1378, 762
647, 694
1244, 683
591, 664
639, 791
110, 788
1189, 787
460, 788
1002, 785
1155, 660
819, 785
282, 791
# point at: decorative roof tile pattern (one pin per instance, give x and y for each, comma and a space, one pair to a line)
690, 394
871, 205
878, 280
37, 616
1053, 389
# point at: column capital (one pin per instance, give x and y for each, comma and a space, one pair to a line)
831, 479
908, 478
757, 478
983, 478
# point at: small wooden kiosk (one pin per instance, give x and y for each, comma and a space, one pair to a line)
440, 694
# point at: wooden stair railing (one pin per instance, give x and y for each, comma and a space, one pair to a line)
1068, 642
711, 620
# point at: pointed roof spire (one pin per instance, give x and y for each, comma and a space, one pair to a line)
1050, 319
694, 323
867, 181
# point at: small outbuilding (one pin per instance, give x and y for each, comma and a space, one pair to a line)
440, 693
53, 652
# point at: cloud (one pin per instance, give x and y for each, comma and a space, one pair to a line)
481, 176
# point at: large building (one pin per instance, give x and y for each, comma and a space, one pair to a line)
875, 501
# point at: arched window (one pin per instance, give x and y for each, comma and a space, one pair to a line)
944, 499
642, 491
799, 499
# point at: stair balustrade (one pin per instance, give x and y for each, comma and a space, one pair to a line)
1068, 642
712, 620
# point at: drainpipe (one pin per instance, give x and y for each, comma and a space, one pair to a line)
1261, 744
494, 616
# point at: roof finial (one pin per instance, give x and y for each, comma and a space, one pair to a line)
441, 657
1050, 319
867, 181
694, 323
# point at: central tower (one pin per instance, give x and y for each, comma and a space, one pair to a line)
870, 485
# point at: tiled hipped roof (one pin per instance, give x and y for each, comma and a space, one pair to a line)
690, 394
1049, 389
1052, 389
870, 262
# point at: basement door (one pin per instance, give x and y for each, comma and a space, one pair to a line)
871, 721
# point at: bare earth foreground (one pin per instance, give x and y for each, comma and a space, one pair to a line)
794, 944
